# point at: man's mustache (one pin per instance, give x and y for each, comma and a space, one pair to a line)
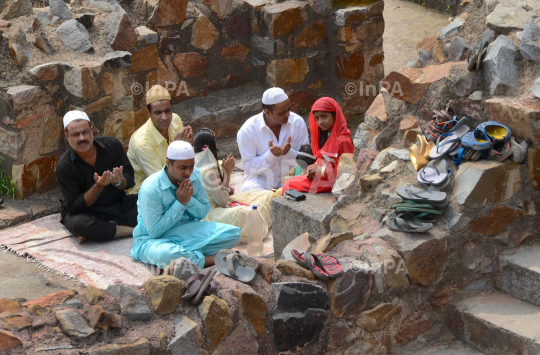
82, 142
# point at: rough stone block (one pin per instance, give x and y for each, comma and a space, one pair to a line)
524, 122
60, 9
16, 8
365, 137
204, 34
131, 302
282, 72
11, 143
289, 267
52, 299
281, 18
451, 29
349, 293
377, 318
8, 340
300, 243
119, 30
222, 8
164, 292
187, 339
75, 36
520, 273
190, 65
168, 12
38, 176
292, 218
241, 341
500, 64
356, 14
216, 316
18, 46
73, 324
478, 183
511, 15
412, 331
141, 346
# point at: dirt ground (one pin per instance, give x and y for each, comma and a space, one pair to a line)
406, 24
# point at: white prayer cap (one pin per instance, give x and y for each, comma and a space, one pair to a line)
274, 96
73, 116
180, 150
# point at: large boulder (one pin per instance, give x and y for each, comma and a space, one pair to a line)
187, 339
500, 64
18, 46
523, 121
168, 12
75, 36
60, 9
16, 8
530, 42
119, 31
283, 17
512, 14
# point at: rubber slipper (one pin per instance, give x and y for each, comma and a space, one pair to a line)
495, 130
476, 155
476, 140
500, 150
433, 173
330, 264
407, 203
207, 286
419, 153
194, 284
405, 222
419, 210
481, 56
448, 142
314, 264
519, 150
236, 265
415, 194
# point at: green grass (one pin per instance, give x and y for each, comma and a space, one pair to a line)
6, 183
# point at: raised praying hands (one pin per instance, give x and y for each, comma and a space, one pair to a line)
184, 192
104, 179
280, 151
312, 170
185, 135
228, 164
117, 175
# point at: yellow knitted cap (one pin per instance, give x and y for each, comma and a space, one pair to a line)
157, 93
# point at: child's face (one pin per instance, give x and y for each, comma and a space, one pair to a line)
325, 120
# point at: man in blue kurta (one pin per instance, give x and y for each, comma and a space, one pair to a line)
171, 205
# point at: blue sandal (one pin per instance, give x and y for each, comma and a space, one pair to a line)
495, 130
477, 140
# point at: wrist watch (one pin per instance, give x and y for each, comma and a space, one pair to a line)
117, 184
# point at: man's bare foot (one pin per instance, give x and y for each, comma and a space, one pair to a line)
81, 240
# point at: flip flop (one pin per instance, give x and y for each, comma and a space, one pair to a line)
419, 152
236, 265
500, 150
411, 193
194, 284
434, 173
330, 264
451, 139
405, 222
316, 267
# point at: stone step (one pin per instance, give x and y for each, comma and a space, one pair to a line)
227, 109
521, 273
498, 324
449, 347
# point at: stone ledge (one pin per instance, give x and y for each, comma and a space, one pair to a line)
520, 274
291, 218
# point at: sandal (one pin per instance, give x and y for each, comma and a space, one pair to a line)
414, 194
519, 150
405, 222
419, 152
450, 141
236, 265
200, 286
477, 140
330, 264
500, 150
420, 211
478, 55
495, 131
315, 266
435, 173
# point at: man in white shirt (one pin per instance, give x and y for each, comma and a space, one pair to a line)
269, 142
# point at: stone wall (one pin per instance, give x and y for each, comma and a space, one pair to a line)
104, 61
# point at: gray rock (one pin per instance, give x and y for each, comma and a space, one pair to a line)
263, 44
17, 8
18, 46
117, 59
291, 218
73, 303
74, 36
300, 243
457, 47
464, 82
451, 29
500, 64
119, 30
401, 154
187, 339
480, 285
107, 5
376, 165
520, 274
530, 42
343, 182
256, 62
73, 324
11, 143
149, 36
536, 91
299, 314
131, 302
488, 270
456, 220
414, 63
202, 116
385, 138
519, 35
87, 20
424, 55
365, 137
183, 269
60, 9
512, 14
44, 18
476, 96
488, 36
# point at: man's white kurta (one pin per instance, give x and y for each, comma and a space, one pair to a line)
262, 169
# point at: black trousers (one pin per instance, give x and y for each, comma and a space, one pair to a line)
98, 227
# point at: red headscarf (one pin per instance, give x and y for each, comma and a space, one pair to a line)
330, 148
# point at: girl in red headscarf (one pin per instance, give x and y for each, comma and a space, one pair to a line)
330, 138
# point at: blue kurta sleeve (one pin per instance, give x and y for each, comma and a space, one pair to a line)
198, 206
156, 218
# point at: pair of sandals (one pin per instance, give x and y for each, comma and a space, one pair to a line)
476, 56
423, 211
436, 173
405, 222
200, 286
423, 196
485, 134
443, 121
322, 266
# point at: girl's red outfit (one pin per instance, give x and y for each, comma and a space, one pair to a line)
328, 156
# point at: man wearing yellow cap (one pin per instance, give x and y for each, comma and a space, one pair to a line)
148, 145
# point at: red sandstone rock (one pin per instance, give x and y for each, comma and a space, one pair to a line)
238, 52
81, 82
360, 38
407, 123
43, 43
233, 81
302, 100
283, 72
412, 331
119, 31
145, 59
14, 322
52, 299
252, 311
103, 320
9, 217
241, 341
281, 18
311, 36
46, 72
533, 164
9, 306
377, 318
108, 83
203, 33
377, 109
365, 158
521, 120
351, 67
190, 65
8, 340
222, 8
239, 25
25, 96
168, 12
495, 221
427, 44
409, 84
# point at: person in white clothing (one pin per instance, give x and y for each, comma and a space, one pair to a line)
269, 142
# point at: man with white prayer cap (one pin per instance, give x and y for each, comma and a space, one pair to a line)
93, 175
172, 203
270, 141
148, 145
